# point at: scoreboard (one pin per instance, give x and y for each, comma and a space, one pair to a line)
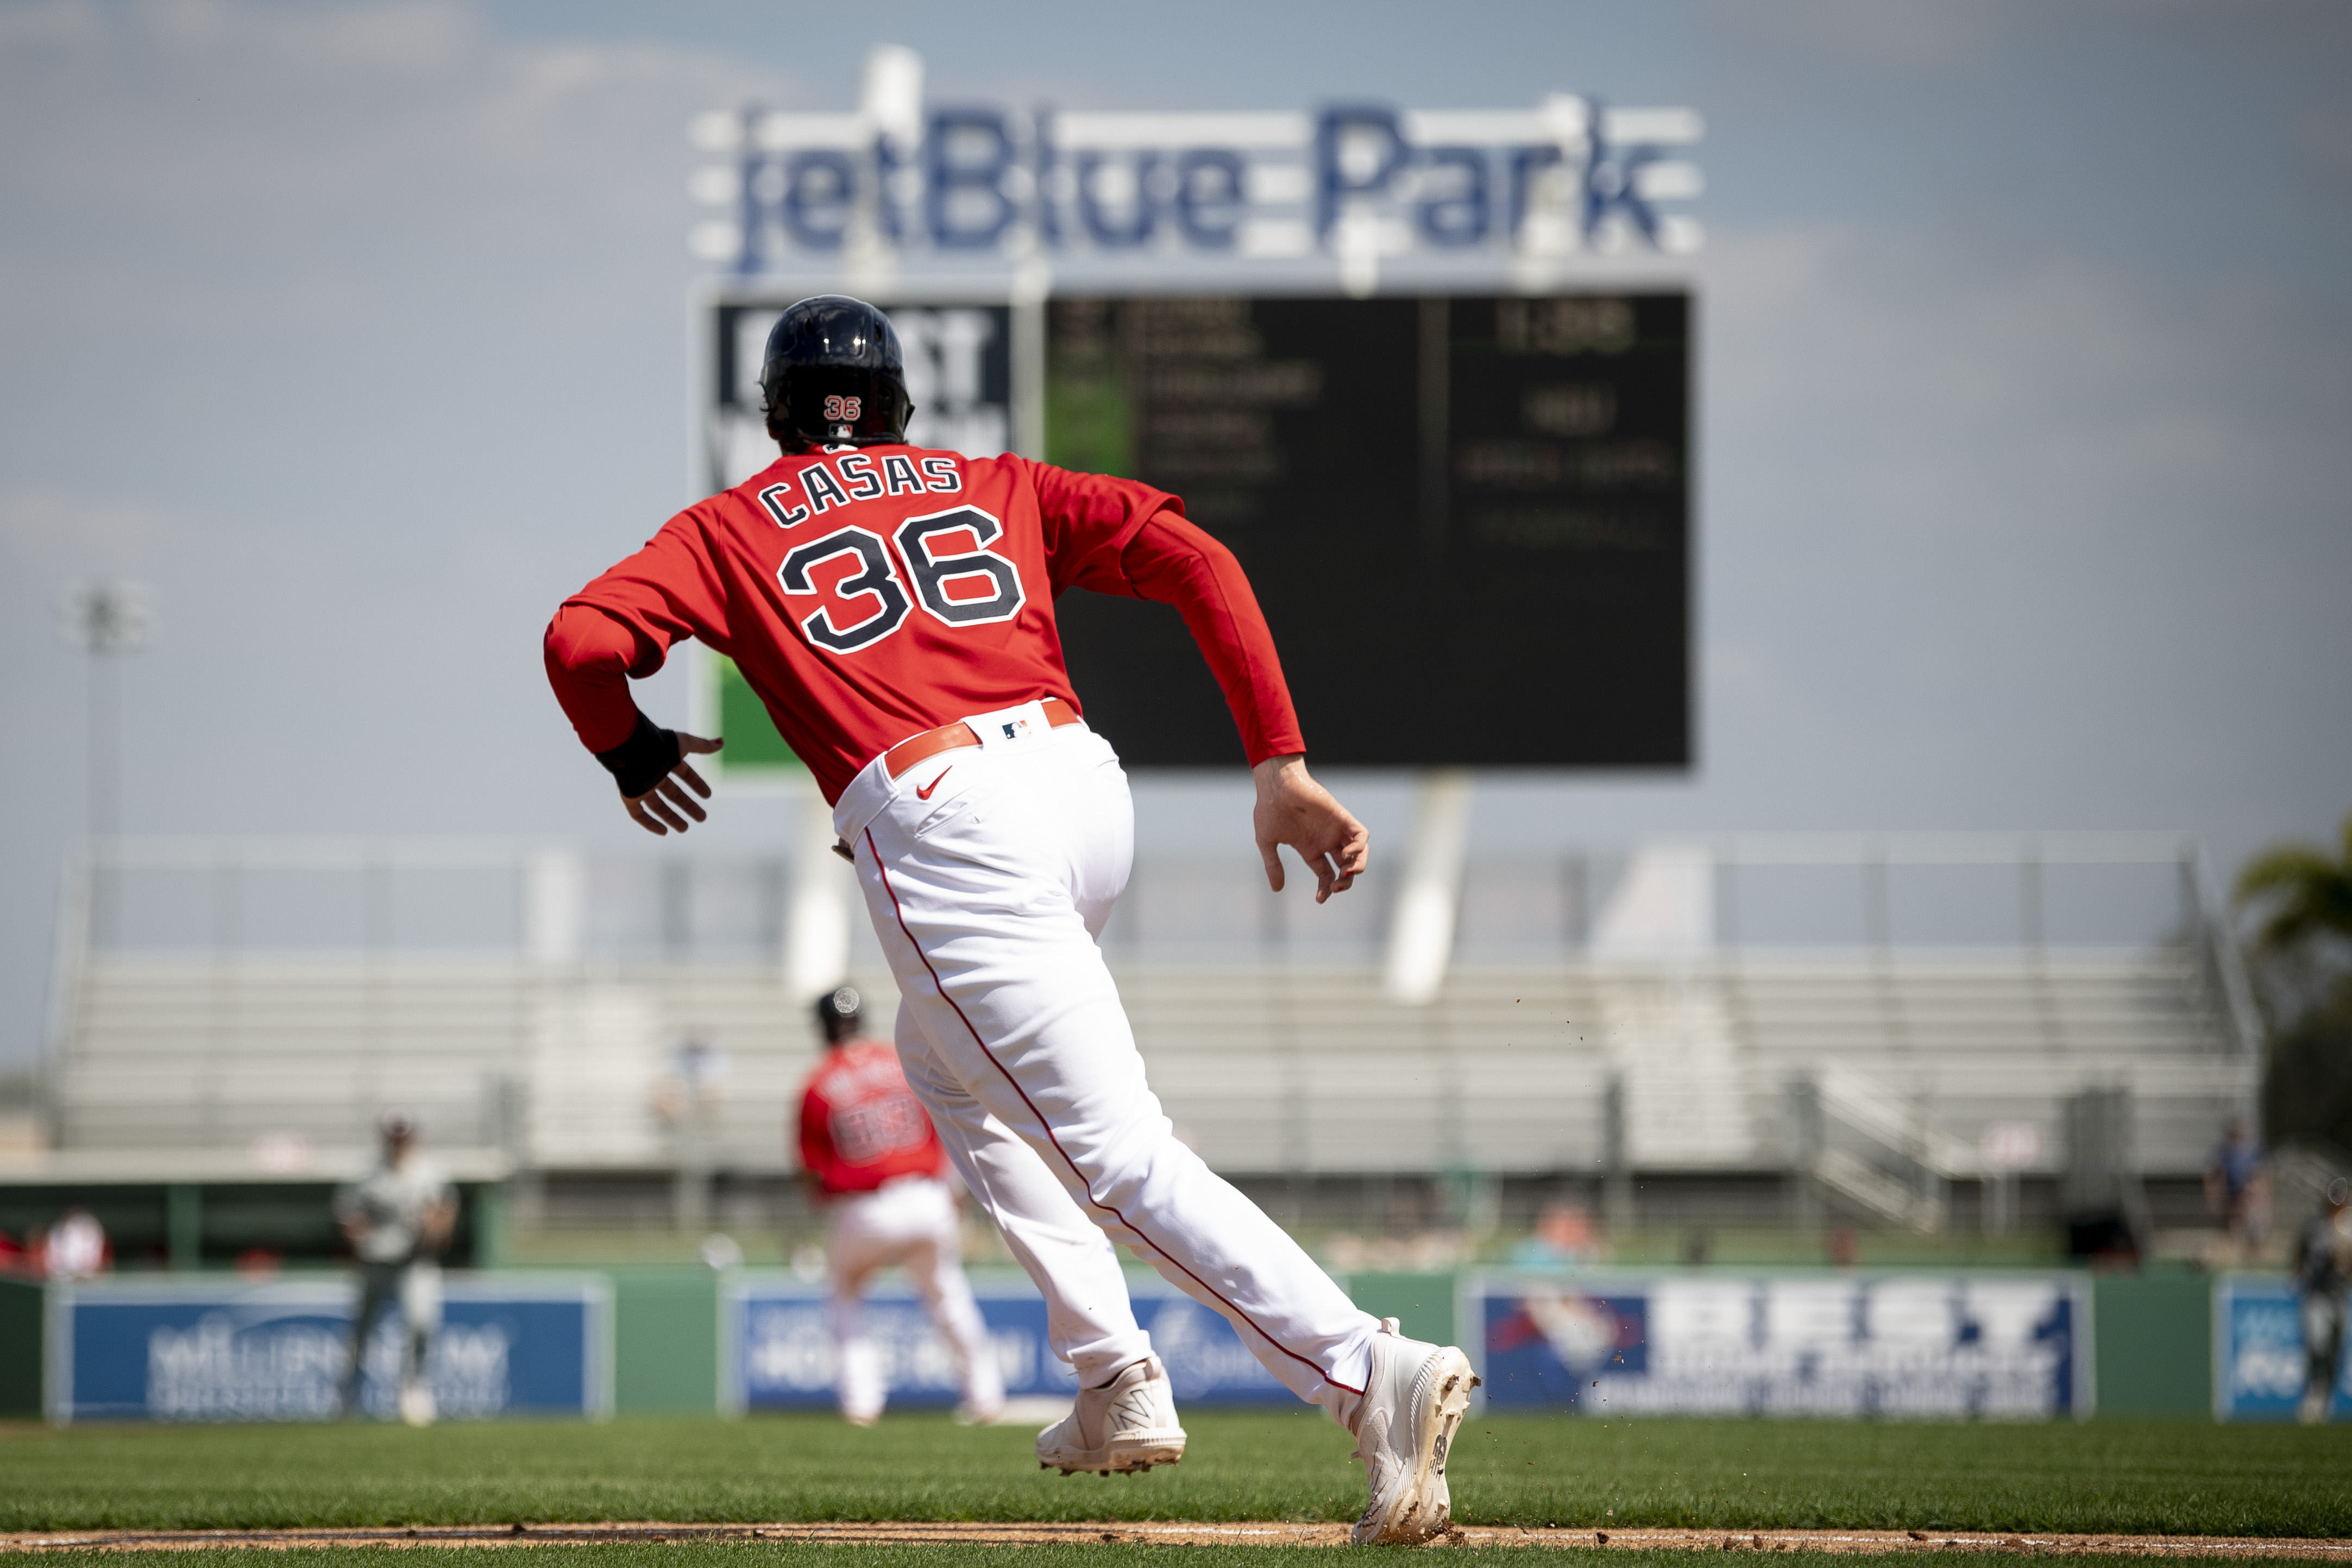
1467, 517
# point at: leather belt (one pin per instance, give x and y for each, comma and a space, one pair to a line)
948, 737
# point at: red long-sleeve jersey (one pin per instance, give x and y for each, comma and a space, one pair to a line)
861, 1125
871, 595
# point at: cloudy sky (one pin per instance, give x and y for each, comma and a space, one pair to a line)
357, 330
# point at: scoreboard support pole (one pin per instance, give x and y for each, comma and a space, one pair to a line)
821, 897
1421, 931
820, 901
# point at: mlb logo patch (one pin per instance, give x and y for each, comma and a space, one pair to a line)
1010, 727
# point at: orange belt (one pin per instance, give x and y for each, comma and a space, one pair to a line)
948, 737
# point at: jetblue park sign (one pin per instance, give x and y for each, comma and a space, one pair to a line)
900, 179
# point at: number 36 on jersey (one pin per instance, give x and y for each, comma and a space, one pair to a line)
859, 590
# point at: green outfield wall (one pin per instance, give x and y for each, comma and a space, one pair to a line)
665, 1341
2153, 1342
1422, 1304
21, 1347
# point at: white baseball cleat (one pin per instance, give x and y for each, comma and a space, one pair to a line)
1413, 1400
1126, 1425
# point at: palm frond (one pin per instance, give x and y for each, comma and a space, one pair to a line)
2289, 868
2308, 894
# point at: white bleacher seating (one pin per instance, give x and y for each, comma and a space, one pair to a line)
1271, 1058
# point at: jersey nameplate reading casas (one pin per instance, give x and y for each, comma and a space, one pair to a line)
954, 577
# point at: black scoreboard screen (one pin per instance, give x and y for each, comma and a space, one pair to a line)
1467, 519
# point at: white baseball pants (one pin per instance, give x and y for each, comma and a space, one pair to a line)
989, 872
910, 1222
415, 1287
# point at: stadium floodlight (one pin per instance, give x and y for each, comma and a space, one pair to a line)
106, 620
103, 617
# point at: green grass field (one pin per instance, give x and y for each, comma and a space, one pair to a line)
2106, 1475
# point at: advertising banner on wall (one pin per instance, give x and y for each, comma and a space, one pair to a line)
195, 1349
1606, 1342
2259, 1363
778, 1349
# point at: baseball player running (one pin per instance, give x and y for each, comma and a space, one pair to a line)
893, 607
870, 1156
398, 1219
2322, 1266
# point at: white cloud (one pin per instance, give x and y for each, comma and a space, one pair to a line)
204, 110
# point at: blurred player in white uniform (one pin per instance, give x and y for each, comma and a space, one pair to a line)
2323, 1268
398, 1219
869, 1154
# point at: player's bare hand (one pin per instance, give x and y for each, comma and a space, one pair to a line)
1294, 809
657, 811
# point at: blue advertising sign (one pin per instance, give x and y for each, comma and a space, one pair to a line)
778, 1352
1869, 1344
2258, 1351
198, 1349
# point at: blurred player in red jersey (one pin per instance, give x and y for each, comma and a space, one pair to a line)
893, 607
873, 1160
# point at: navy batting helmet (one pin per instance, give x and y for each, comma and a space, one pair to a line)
833, 375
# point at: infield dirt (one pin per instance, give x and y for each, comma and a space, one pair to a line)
1843, 1542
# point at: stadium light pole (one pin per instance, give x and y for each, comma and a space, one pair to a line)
106, 620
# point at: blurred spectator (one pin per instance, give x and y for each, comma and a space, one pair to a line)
1698, 1247
13, 1258
2322, 1266
76, 1247
1563, 1234
684, 1096
398, 1219
2238, 1186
